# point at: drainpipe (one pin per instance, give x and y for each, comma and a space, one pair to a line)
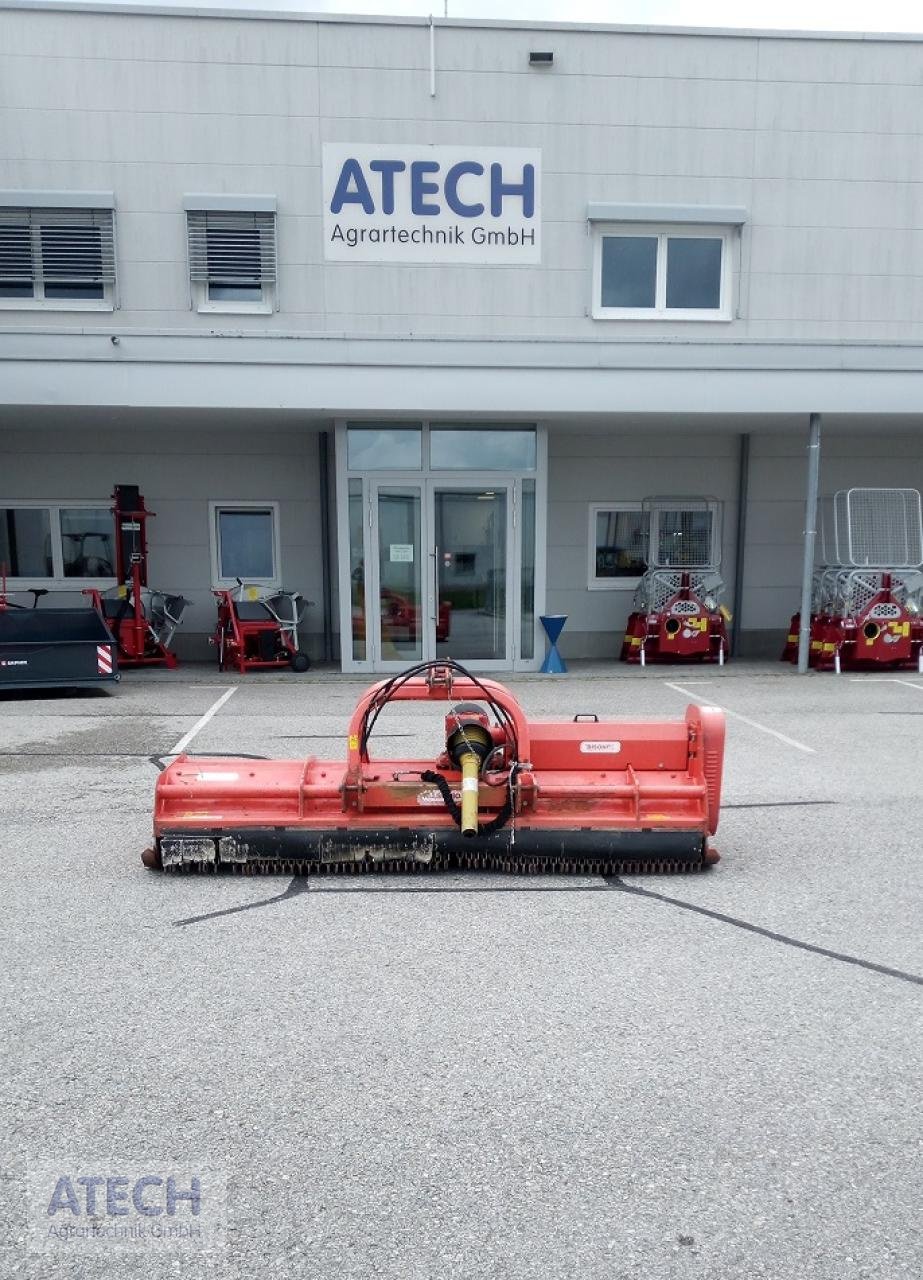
743, 486
323, 459
432, 57
810, 537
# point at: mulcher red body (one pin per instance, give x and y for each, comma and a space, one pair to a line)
506, 793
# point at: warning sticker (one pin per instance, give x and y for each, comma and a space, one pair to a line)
432, 796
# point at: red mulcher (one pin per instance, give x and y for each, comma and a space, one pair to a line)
506, 793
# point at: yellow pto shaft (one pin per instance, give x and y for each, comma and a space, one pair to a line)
470, 768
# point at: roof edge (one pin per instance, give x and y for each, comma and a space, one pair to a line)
291, 15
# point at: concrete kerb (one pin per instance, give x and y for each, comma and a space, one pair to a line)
200, 673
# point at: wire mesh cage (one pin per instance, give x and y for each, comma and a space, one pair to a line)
658, 586
878, 528
825, 547
683, 533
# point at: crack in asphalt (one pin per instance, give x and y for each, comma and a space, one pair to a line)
302, 885
615, 882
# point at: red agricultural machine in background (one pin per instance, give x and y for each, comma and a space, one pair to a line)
677, 615
257, 630
868, 599
504, 792
142, 620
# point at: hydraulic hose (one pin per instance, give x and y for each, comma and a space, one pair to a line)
501, 818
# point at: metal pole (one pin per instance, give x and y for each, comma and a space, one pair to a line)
743, 486
810, 537
325, 540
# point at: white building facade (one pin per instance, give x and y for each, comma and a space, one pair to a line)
412, 318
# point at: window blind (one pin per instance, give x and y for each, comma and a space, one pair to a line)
227, 246
72, 245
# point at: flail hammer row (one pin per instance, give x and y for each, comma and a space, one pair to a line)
507, 865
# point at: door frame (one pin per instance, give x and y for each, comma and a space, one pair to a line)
427, 482
427, 486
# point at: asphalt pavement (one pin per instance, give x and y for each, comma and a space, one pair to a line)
470, 1075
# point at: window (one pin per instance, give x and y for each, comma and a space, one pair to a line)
403, 446
87, 543
618, 544
57, 542
393, 446
664, 261
232, 257
625, 538
25, 543
245, 543
644, 273
59, 258
490, 448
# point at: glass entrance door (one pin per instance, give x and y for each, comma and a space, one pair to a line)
401, 616
441, 561
471, 563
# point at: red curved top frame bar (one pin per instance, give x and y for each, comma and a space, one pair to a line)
453, 689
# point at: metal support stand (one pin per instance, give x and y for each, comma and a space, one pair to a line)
810, 537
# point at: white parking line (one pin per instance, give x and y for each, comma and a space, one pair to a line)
885, 680
754, 724
201, 723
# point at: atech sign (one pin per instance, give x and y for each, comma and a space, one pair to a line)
432, 204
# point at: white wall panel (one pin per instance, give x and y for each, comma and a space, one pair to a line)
150, 38
839, 108
623, 467
775, 518
178, 473
474, 95
805, 203
865, 61
470, 291
806, 251
838, 156
155, 106
497, 50
816, 296
122, 85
